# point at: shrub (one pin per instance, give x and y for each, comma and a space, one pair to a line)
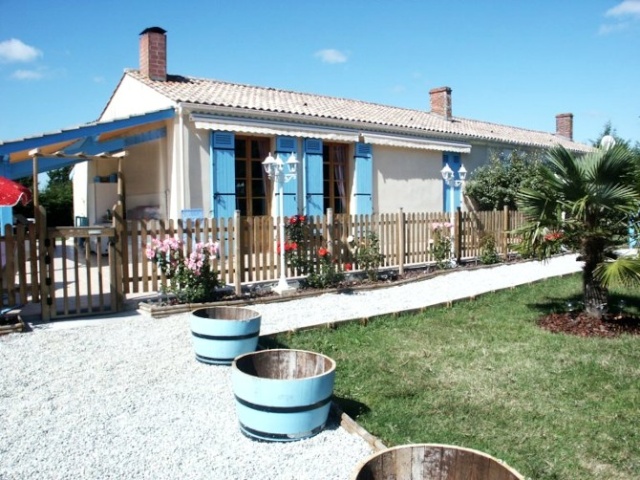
191, 278
441, 246
366, 253
326, 272
488, 251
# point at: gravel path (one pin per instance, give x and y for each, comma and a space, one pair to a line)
122, 400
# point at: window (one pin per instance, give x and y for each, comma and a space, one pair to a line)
334, 176
251, 181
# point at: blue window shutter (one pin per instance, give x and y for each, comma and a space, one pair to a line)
6, 218
285, 146
313, 188
224, 174
453, 160
363, 187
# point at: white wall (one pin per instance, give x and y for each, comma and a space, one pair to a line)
132, 98
408, 179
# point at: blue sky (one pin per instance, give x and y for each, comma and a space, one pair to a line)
514, 62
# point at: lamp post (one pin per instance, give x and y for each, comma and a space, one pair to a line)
281, 172
448, 176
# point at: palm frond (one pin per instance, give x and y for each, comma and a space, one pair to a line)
623, 270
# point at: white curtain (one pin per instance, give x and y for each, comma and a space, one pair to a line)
340, 165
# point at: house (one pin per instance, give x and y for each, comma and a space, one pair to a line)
195, 147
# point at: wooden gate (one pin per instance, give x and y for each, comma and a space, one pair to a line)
79, 273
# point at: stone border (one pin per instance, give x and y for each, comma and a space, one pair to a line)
162, 311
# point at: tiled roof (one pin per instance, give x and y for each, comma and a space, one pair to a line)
314, 107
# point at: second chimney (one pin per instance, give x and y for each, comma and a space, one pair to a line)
441, 101
153, 53
564, 125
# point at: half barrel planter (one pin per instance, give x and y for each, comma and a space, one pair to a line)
282, 395
430, 461
220, 334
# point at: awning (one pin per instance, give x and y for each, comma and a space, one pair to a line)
206, 122
416, 142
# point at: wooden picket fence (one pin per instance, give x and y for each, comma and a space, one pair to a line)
75, 271
248, 245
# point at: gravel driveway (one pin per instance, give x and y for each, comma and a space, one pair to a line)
126, 399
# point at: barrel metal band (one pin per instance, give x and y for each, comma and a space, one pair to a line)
272, 409
203, 359
250, 432
226, 337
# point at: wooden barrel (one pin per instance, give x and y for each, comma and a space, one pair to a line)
282, 395
220, 334
431, 462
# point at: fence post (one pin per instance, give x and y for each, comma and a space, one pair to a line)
457, 236
505, 231
119, 278
401, 241
45, 259
330, 231
237, 253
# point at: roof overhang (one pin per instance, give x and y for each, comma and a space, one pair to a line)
91, 139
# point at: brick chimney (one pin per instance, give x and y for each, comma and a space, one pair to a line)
153, 53
441, 101
564, 125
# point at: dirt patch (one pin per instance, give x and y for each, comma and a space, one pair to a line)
583, 325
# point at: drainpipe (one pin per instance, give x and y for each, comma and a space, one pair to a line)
181, 158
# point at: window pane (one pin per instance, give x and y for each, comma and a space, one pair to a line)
259, 206
256, 169
241, 169
257, 188
241, 188
241, 148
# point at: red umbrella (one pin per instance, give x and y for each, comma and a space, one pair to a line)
12, 192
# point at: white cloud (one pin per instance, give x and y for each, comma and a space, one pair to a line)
622, 17
608, 28
627, 7
27, 75
14, 50
329, 55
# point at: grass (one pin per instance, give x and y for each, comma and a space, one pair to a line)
482, 375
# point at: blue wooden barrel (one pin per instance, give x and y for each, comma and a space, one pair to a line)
428, 461
220, 334
282, 395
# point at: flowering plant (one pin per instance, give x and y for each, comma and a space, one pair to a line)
441, 246
553, 241
294, 247
325, 272
191, 278
366, 253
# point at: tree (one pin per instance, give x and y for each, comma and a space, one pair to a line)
57, 198
585, 203
496, 184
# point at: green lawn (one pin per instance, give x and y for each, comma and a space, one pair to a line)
482, 375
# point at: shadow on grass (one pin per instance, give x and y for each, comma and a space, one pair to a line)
270, 343
617, 304
353, 408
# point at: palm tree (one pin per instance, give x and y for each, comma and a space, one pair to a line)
585, 203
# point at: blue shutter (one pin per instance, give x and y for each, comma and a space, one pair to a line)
314, 197
285, 146
224, 174
453, 160
363, 186
6, 218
